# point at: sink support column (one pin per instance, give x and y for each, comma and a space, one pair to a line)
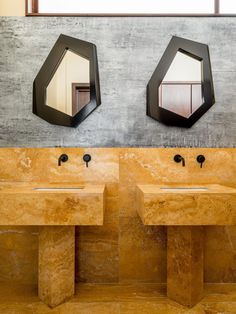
185, 264
56, 264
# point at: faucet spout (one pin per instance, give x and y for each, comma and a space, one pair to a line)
179, 158
62, 158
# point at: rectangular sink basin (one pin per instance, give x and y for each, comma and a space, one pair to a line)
44, 204
183, 188
58, 189
210, 204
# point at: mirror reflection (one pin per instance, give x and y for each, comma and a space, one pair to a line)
181, 89
69, 89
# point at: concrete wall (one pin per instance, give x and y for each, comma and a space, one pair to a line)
128, 51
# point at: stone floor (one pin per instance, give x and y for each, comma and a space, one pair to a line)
116, 299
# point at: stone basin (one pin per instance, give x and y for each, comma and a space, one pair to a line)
211, 204
42, 204
58, 189
199, 189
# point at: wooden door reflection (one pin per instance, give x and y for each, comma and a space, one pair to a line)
80, 96
182, 98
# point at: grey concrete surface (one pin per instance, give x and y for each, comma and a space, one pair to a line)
128, 52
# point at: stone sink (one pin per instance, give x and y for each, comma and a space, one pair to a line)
185, 209
211, 204
43, 204
56, 208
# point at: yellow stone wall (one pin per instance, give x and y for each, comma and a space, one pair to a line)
123, 250
12, 7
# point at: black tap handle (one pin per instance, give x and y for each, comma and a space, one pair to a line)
87, 158
201, 159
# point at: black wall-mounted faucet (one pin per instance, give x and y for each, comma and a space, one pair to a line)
201, 159
179, 158
62, 158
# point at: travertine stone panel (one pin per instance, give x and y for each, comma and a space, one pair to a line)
142, 251
56, 264
97, 253
220, 254
185, 264
18, 254
134, 298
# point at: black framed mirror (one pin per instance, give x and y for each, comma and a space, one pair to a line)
66, 89
181, 88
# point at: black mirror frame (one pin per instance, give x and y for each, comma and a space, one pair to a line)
200, 52
82, 48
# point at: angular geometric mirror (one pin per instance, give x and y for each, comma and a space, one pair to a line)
66, 89
181, 88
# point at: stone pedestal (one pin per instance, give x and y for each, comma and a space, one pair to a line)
56, 264
185, 264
